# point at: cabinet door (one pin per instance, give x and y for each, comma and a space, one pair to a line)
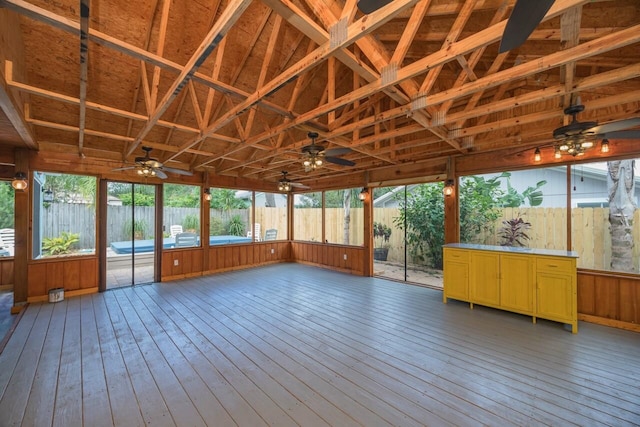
555, 298
517, 283
456, 274
484, 281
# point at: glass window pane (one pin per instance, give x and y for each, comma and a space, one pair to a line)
64, 215
271, 214
307, 217
605, 222
230, 217
521, 208
344, 217
181, 214
7, 218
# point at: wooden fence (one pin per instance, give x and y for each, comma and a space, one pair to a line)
589, 230
590, 227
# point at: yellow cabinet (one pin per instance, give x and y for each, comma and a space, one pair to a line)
484, 278
456, 274
536, 282
556, 291
517, 279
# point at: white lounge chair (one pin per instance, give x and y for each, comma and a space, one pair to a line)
7, 237
270, 234
184, 240
175, 230
256, 232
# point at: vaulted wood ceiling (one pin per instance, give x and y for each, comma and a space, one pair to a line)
232, 87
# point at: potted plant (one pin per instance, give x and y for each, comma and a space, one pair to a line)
381, 234
514, 232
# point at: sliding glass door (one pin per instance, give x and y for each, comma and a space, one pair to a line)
130, 234
408, 233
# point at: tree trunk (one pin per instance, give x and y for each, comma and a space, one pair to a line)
621, 186
346, 203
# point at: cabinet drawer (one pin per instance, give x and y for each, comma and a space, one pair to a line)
457, 255
555, 264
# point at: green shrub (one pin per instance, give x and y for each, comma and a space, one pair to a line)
60, 245
216, 227
138, 228
236, 226
191, 223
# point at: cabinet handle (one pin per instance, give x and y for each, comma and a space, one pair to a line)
552, 265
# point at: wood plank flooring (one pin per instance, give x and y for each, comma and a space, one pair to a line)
291, 344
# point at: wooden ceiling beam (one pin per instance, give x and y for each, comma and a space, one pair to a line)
483, 38
266, 61
550, 35
162, 34
410, 31
15, 116
353, 32
84, 70
100, 107
65, 24
550, 114
381, 59
228, 18
570, 37
452, 37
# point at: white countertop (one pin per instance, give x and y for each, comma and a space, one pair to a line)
513, 249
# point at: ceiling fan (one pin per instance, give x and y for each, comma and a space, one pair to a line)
285, 183
148, 166
524, 18
577, 137
314, 155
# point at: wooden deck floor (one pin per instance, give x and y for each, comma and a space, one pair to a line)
294, 345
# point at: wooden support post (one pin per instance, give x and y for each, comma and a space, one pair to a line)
21, 225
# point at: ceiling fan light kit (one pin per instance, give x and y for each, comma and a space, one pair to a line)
315, 155
147, 166
578, 137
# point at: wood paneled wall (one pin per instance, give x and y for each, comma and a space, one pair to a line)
609, 299
76, 275
331, 256
194, 262
6, 273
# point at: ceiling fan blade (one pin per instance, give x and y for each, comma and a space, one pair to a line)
339, 161
616, 126
337, 151
124, 168
621, 134
177, 171
160, 174
368, 6
525, 17
297, 184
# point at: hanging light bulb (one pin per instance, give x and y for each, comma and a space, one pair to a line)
536, 155
604, 146
557, 154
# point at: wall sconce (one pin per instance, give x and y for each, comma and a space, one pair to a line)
20, 182
207, 194
604, 146
448, 188
536, 155
363, 194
